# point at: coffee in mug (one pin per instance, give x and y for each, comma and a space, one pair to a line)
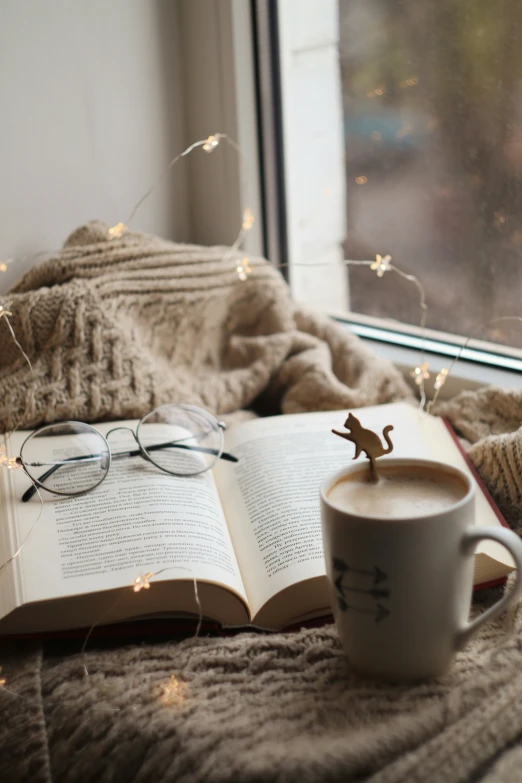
397, 494
399, 561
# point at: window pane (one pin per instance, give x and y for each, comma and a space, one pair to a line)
432, 93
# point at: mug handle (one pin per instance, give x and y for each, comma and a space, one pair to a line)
513, 544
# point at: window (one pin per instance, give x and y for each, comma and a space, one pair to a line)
432, 110
428, 98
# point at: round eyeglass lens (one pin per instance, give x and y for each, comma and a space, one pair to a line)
181, 439
67, 458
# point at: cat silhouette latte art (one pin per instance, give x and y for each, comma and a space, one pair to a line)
367, 441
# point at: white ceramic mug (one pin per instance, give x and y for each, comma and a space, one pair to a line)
401, 588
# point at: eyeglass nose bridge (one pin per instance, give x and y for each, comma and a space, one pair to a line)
128, 429
134, 435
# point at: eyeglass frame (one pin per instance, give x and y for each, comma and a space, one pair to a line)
37, 483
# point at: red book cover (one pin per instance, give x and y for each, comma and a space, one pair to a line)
485, 492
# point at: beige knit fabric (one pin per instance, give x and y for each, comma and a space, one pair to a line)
491, 419
280, 708
114, 328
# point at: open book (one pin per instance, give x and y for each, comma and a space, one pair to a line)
249, 534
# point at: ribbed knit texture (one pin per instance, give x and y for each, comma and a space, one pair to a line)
491, 419
114, 328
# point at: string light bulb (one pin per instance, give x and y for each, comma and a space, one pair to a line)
4, 265
381, 265
2, 679
174, 691
115, 232
440, 380
141, 582
8, 462
248, 219
212, 142
409, 82
4, 309
420, 373
243, 270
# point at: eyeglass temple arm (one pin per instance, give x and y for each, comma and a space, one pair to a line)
203, 449
28, 494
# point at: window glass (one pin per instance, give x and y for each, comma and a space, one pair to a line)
432, 97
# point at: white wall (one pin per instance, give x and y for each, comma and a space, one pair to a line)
91, 110
220, 97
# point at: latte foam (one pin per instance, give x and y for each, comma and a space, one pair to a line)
400, 493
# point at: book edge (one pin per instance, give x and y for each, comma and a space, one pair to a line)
485, 491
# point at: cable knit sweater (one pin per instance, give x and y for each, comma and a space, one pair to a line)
115, 327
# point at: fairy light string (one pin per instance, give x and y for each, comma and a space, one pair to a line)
196, 592
3, 683
4, 463
208, 145
5, 313
139, 583
10, 463
444, 373
381, 265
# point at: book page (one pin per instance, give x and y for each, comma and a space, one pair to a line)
138, 520
271, 500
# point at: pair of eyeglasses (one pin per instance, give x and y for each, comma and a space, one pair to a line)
181, 440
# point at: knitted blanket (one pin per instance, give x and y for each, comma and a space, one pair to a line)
116, 327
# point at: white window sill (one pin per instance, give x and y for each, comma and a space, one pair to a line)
465, 374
